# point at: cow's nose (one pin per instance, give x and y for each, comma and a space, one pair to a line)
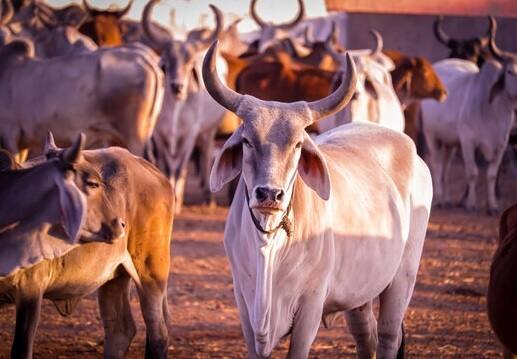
440, 95
176, 88
118, 228
272, 194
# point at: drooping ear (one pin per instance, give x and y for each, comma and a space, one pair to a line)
72, 203
228, 163
7, 161
313, 168
497, 87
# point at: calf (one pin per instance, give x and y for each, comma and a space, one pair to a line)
128, 222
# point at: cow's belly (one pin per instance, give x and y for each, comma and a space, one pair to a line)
83, 270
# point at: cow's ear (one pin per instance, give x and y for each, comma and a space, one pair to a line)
313, 168
7, 161
72, 203
497, 87
228, 163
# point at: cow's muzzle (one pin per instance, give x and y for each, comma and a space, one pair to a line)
109, 232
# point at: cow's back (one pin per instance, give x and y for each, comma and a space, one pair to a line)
502, 289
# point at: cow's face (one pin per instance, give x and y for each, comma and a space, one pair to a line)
107, 30
177, 61
510, 80
470, 50
271, 147
100, 186
424, 81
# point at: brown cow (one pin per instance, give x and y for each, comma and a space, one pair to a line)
414, 79
121, 186
502, 293
104, 26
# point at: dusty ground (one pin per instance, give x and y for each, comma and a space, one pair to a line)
446, 317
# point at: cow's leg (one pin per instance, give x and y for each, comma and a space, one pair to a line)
187, 147
450, 153
207, 145
437, 152
247, 329
28, 307
119, 326
152, 296
491, 174
363, 327
472, 172
305, 328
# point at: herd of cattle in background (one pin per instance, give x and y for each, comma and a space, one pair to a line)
89, 79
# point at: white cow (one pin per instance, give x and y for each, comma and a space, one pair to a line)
319, 227
375, 99
477, 115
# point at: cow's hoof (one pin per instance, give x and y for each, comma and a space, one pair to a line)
470, 209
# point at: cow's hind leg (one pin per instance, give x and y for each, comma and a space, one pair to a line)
28, 307
363, 327
119, 326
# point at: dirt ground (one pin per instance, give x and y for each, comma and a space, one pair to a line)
446, 317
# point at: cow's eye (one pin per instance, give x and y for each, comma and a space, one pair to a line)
246, 142
299, 145
92, 184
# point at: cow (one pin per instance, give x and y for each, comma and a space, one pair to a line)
271, 34
501, 295
477, 115
190, 114
474, 50
114, 96
307, 233
125, 241
104, 26
414, 80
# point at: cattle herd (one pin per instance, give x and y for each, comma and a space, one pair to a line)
330, 200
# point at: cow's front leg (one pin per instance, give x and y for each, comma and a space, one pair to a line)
491, 174
28, 307
247, 330
363, 327
305, 327
472, 172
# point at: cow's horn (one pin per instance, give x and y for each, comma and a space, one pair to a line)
225, 96
492, 27
72, 154
148, 27
379, 43
123, 12
333, 37
339, 98
219, 24
439, 33
89, 9
7, 12
298, 18
496, 51
50, 144
254, 14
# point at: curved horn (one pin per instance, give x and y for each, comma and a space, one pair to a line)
379, 43
307, 35
254, 14
7, 12
298, 18
439, 33
499, 54
339, 98
72, 154
147, 25
219, 24
333, 37
123, 12
492, 28
225, 96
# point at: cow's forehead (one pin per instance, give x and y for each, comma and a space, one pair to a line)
269, 123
